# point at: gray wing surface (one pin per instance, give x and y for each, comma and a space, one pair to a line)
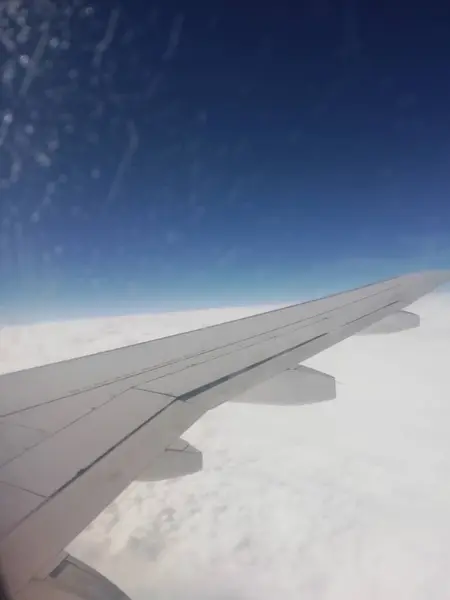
75, 434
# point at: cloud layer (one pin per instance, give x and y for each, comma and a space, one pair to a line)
348, 499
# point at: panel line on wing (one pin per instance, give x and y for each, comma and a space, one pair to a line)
372, 313
111, 448
302, 325
301, 321
254, 336
232, 351
216, 382
219, 381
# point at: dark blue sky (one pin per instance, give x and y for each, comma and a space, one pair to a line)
187, 154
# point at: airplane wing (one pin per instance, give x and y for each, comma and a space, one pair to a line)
75, 434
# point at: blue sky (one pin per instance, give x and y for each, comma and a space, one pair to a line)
168, 156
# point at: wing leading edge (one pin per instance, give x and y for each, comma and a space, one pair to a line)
75, 434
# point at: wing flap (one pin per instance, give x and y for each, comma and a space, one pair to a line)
54, 415
15, 439
40, 470
15, 505
178, 460
297, 386
399, 321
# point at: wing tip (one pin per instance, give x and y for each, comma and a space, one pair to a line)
437, 276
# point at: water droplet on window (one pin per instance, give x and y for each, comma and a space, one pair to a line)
87, 11
43, 159
24, 59
53, 145
23, 35
9, 72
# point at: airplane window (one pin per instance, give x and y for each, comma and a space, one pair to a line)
166, 165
